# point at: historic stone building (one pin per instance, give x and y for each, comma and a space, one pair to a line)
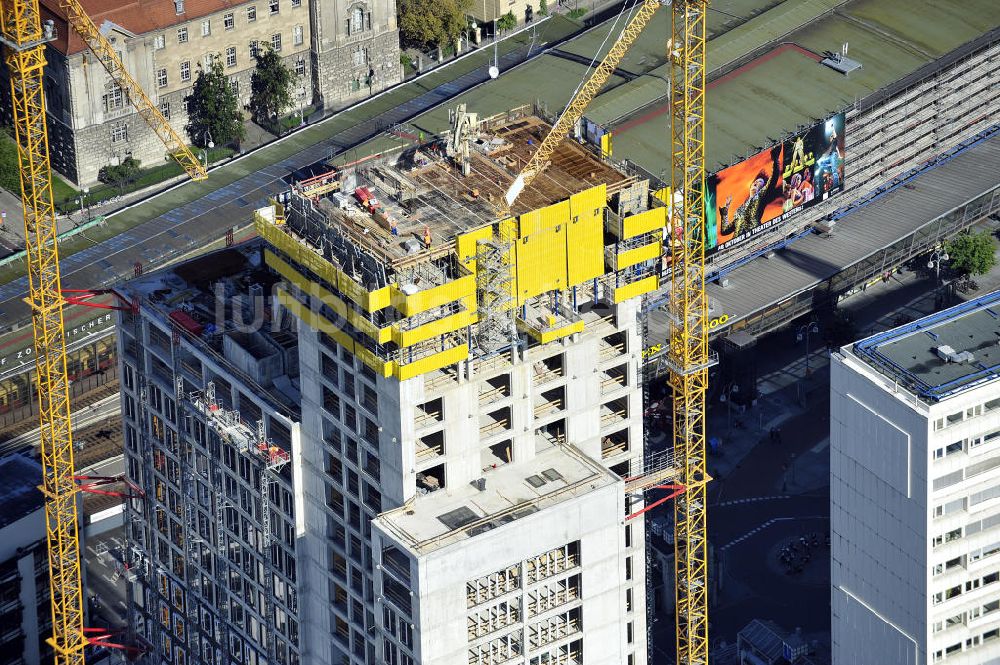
164, 44
355, 49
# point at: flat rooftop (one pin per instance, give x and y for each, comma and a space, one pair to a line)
20, 477
943, 354
452, 514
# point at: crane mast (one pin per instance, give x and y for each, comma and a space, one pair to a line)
25, 40
688, 355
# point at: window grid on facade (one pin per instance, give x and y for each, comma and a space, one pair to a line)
300, 67
182, 35
251, 14
274, 6
159, 41
229, 21
297, 32
276, 41
231, 56
119, 133
186, 70
161, 77
206, 27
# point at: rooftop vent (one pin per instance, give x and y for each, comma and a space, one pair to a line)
840, 62
948, 354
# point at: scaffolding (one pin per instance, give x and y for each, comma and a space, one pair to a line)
494, 283
254, 444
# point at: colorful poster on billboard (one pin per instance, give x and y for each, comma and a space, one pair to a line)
762, 191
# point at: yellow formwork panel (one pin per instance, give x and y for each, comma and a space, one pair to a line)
541, 263
552, 216
630, 257
432, 362
450, 323
644, 222
584, 249
466, 245
308, 286
589, 202
358, 320
663, 195
422, 301
314, 320
529, 222
295, 250
546, 336
381, 367
623, 293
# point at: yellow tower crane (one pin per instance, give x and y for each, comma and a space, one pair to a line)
24, 35
687, 355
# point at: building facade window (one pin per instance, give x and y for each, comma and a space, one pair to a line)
296, 3
297, 33
179, 6
182, 35
274, 6
119, 133
114, 99
251, 13
253, 48
159, 41
276, 41
206, 61
231, 56
206, 27
161, 78
300, 66
234, 85
165, 109
359, 56
358, 20
186, 70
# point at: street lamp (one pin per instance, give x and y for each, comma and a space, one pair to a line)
937, 257
804, 331
727, 397
83, 198
209, 143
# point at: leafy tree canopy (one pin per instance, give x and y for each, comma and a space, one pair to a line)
214, 109
506, 22
972, 253
120, 174
270, 87
424, 23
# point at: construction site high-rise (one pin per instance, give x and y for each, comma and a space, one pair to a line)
346, 460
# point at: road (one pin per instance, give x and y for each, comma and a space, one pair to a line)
83, 417
208, 217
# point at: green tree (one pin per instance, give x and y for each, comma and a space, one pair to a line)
972, 253
120, 175
424, 23
506, 22
543, 8
270, 87
214, 109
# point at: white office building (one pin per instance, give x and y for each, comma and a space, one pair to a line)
915, 483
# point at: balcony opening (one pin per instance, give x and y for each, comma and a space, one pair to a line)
429, 413
614, 411
551, 434
430, 446
614, 378
494, 389
614, 345
497, 455
430, 480
615, 443
494, 422
548, 369
550, 401
622, 469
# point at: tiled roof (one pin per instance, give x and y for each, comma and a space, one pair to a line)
136, 16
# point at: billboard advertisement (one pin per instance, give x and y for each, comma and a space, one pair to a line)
762, 191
